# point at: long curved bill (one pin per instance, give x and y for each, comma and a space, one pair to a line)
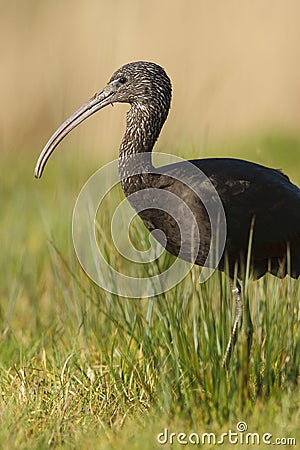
99, 101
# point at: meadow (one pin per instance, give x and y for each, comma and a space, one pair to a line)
83, 368
80, 367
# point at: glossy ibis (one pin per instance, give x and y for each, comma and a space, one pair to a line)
259, 202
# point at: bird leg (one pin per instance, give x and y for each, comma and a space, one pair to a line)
249, 325
236, 290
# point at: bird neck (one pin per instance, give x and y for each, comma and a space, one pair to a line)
143, 126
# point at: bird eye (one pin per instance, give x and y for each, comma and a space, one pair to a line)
122, 80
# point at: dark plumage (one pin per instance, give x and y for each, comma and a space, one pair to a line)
253, 196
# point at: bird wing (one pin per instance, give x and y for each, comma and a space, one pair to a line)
250, 192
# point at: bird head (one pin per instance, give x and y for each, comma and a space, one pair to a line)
138, 83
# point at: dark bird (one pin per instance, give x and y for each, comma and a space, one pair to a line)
262, 206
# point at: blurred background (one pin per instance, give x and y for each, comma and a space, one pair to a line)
235, 69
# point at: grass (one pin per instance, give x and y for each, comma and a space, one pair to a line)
83, 368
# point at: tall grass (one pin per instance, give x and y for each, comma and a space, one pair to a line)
80, 366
